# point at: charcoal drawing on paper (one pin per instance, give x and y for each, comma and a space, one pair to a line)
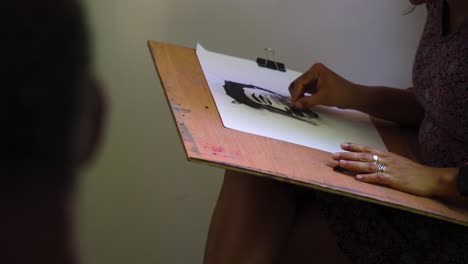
264, 99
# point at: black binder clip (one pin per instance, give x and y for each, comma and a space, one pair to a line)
271, 64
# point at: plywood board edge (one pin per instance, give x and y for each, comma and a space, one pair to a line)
153, 46
327, 189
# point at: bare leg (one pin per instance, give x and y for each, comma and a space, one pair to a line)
251, 221
310, 239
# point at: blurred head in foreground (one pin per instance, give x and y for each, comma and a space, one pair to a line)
50, 128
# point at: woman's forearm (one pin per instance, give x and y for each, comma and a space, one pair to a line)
391, 104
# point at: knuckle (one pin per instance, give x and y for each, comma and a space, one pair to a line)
373, 179
363, 157
371, 167
345, 164
367, 149
319, 65
380, 177
383, 178
306, 102
345, 155
369, 179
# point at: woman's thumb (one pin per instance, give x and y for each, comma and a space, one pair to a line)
307, 102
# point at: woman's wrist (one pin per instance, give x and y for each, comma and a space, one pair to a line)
447, 183
379, 101
354, 97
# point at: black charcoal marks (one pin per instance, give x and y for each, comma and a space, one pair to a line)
263, 99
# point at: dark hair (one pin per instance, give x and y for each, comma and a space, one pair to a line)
236, 92
45, 55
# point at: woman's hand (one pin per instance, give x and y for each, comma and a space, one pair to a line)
321, 86
397, 172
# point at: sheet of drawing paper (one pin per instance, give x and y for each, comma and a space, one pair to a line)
256, 100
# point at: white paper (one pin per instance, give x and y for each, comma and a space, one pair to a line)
326, 132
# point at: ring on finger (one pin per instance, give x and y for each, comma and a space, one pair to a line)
381, 168
375, 159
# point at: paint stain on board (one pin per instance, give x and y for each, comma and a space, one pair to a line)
177, 108
187, 137
221, 152
214, 150
217, 149
195, 150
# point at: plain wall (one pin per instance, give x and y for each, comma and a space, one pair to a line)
141, 201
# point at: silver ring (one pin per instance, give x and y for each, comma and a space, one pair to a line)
375, 159
380, 168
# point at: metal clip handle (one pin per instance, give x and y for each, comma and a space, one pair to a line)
273, 53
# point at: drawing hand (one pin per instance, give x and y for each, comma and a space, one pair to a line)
320, 86
399, 173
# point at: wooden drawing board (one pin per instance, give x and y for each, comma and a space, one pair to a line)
207, 141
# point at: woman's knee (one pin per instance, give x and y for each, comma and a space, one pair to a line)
255, 185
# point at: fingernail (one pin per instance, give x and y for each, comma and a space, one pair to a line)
342, 163
336, 156
345, 145
359, 177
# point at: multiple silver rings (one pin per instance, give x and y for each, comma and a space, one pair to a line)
380, 166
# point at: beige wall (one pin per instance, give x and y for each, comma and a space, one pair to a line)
142, 202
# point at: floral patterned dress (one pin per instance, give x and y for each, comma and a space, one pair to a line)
369, 233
